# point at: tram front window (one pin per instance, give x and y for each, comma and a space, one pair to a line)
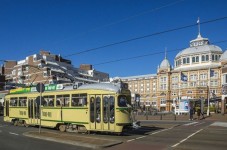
122, 101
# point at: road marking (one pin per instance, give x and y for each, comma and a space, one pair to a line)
160, 131
191, 123
0, 131
13, 133
149, 134
199, 123
187, 138
141, 137
131, 140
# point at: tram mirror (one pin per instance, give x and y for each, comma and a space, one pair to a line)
37, 100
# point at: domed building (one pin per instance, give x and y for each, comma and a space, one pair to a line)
196, 75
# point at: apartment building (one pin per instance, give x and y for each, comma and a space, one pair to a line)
49, 69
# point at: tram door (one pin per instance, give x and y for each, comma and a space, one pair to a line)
95, 112
32, 115
108, 112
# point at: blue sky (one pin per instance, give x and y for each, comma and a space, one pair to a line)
69, 26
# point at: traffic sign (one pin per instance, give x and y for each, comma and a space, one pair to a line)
40, 87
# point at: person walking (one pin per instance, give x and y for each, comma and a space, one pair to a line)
198, 113
191, 114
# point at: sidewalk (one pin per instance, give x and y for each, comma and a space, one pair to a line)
73, 139
183, 117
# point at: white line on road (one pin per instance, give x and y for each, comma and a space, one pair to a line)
199, 123
191, 123
160, 131
187, 138
141, 137
13, 133
149, 134
131, 140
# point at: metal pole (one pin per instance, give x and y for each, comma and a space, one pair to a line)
40, 100
208, 102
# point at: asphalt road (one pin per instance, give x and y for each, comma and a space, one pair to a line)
12, 138
157, 135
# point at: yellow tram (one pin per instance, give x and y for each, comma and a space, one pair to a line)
104, 107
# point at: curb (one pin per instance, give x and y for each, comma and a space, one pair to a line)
107, 143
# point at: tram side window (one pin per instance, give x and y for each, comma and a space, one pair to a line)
49, 101
22, 101
122, 101
63, 100
79, 99
13, 101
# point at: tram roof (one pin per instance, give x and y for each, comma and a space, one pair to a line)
115, 87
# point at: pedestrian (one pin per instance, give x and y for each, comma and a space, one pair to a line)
191, 114
198, 113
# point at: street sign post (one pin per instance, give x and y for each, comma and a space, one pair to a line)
40, 87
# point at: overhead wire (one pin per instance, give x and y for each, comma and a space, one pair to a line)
145, 36
146, 55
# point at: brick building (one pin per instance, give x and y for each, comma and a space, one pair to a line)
49, 69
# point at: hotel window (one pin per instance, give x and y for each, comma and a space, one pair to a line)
184, 60
192, 84
193, 77
163, 87
193, 59
197, 59
188, 60
184, 85
203, 58
203, 76
203, 83
163, 79
213, 83
163, 101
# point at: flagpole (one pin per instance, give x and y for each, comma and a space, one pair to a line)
208, 95
198, 21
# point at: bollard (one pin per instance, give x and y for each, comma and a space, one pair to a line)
146, 116
175, 117
161, 117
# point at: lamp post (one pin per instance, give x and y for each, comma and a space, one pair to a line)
208, 101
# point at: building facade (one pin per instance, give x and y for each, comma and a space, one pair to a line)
49, 69
198, 73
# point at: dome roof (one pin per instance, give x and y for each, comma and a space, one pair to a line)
165, 63
223, 56
198, 46
199, 50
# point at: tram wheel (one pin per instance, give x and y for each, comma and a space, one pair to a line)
62, 128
